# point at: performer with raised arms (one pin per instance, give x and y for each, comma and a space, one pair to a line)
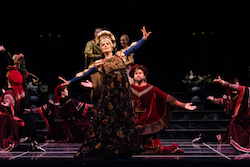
113, 133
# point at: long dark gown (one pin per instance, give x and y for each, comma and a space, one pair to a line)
113, 133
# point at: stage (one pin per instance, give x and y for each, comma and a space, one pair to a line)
62, 154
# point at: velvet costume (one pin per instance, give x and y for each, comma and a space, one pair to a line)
20, 65
113, 133
67, 120
238, 107
154, 112
9, 122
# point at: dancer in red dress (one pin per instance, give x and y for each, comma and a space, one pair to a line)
238, 130
10, 102
153, 111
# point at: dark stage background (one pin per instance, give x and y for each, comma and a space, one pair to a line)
203, 36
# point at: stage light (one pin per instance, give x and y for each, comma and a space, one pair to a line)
41, 36
49, 35
193, 33
202, 32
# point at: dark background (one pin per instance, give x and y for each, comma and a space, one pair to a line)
52, 34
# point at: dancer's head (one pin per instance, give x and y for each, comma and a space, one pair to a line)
139, 73
61, 91
97, 30
15, 80
124, 40
16, 57
106, 41
235, 80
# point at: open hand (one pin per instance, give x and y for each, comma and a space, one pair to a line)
145, 34
28, 111
189, 106
87, 84
5, 104
219, 80
2, 48
211, 98
64, 80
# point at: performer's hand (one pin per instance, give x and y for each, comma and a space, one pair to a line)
87, 84
27, 111
35, 80
91, 105
3, 90
2, 48
144, 33
210, 98
5, 104
64, 80
219, 80
189, 106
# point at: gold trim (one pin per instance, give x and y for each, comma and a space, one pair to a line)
140, 109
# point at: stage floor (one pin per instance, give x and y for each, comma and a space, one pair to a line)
63, 153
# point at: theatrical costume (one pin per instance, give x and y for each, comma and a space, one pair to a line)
113, 133
9, 121
154, 112
66, 118
238, 107
17, 62
93, 53
20, 62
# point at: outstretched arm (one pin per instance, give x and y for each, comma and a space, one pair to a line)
7, 55
229, 85
187, 106
87, 72
139, 43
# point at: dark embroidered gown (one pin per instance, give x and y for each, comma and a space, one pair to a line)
113, 133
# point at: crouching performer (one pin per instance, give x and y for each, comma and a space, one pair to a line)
153, 111
66, 119
238, 107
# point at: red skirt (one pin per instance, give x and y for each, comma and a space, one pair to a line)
8, 131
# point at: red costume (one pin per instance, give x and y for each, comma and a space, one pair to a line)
238, 106
8, 119
71, 115
154, 112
